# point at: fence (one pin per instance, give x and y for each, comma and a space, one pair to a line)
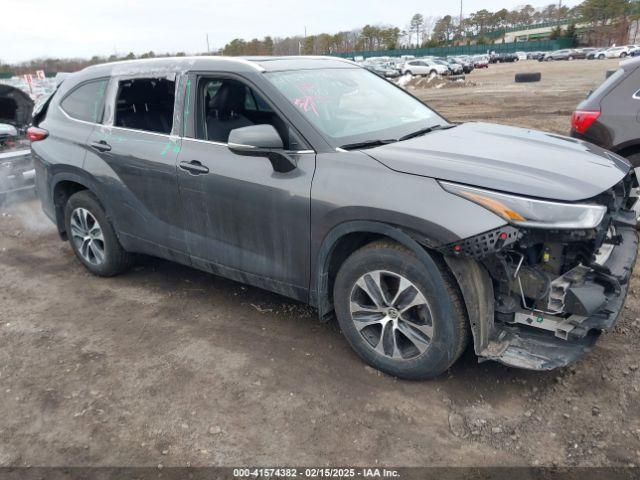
542, 46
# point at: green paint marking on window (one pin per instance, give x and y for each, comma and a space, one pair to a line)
540, 319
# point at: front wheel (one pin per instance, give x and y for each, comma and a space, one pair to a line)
402, 316
623, 55
600, 57
93, 237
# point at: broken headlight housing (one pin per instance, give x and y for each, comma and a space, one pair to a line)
529, 212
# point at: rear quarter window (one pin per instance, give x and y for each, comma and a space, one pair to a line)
86, 102
608, 83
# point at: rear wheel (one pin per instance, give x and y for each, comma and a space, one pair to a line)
399, 316
601, 57
623, 54
93, 237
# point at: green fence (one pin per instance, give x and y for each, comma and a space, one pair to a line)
542, 46
6, 74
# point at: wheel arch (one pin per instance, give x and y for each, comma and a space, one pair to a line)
63, 186
345, 239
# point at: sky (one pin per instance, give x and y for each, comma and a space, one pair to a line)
71, 28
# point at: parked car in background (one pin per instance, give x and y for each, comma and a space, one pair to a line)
480, 61
587, 51
609, 117
269, 171
16, 167
534, 55
564, 54
453, 67
598, 54
466, 63
503, 57
521, 55
613, 52
633, 50
424, 66
383, 69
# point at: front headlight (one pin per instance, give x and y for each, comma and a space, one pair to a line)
528, 212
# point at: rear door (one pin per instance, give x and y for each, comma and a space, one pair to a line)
134, 157
244, 220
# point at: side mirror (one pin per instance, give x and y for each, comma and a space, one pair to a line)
261, 141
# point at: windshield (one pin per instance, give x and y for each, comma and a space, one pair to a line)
353, 105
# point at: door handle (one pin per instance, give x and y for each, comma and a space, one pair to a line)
194, 167
101, 146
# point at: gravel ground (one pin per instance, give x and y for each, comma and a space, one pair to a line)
168, 365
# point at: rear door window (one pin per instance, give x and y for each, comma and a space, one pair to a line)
86, 102
146, 104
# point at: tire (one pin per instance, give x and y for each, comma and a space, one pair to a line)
600, 57
113, 258
623, 54
570, 58
409, 72
528, 77
433, 73
439, 302
634, 160
549, 59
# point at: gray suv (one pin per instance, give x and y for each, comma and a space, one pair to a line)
317, 179
610, 116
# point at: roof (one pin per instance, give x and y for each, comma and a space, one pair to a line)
234, 64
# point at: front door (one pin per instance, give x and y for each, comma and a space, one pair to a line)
244, 220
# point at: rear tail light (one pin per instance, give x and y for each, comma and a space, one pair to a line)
581, 120
35, 134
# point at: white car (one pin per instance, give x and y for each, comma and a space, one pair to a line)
521, 55
423, 66
613, 52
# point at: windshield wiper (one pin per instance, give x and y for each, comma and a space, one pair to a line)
424, 131
367, 144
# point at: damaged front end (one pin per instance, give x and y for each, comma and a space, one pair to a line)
538, 296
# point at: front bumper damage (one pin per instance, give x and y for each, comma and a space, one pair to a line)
540, 299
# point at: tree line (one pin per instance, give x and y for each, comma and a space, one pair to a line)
608, 22
609, 19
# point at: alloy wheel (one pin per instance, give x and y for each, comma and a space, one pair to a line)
391, 315
87, 236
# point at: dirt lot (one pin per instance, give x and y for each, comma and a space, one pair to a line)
167, 365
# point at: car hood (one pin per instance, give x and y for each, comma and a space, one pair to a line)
509, 159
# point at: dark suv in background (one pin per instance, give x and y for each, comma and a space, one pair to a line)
316, 179
610, 116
